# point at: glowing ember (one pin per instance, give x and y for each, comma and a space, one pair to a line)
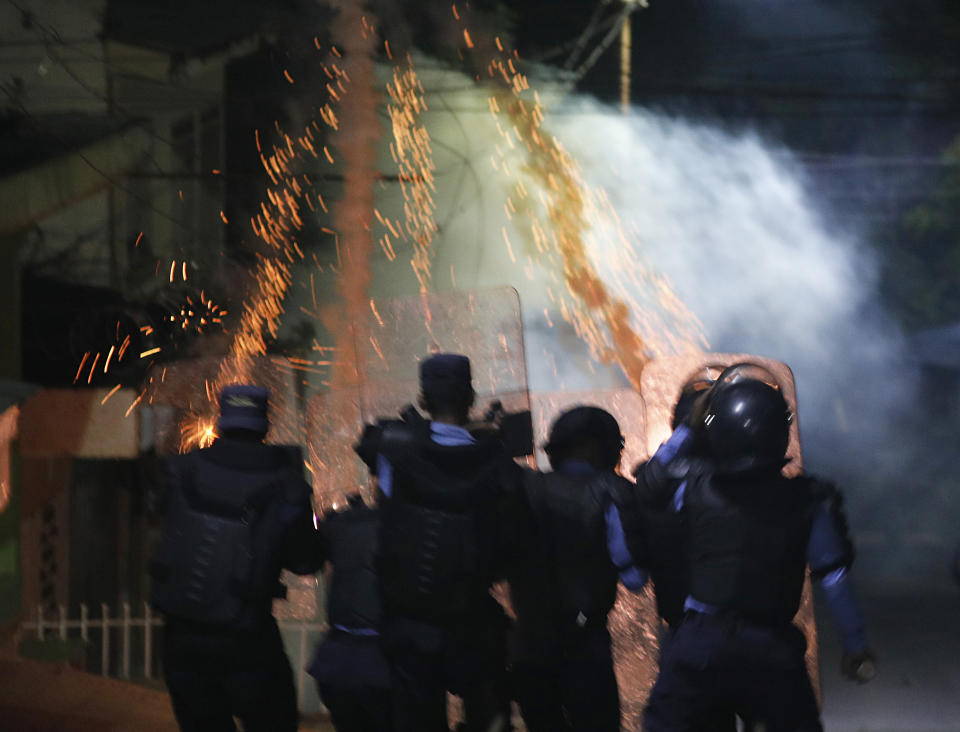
198, 432
8, 432
412, 153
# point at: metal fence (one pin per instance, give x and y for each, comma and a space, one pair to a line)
128, 660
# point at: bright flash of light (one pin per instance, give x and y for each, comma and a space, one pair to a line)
197, 432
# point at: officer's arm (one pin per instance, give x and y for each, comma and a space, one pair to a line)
304, 549
830, 555
633, 577
657, 478
624, 527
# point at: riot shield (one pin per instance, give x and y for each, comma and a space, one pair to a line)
660, 387
633, 624
482, 325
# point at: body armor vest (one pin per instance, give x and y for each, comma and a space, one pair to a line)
218, 561
747, 540
354, 595
569, 579
439, 549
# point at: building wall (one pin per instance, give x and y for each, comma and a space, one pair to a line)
52, 56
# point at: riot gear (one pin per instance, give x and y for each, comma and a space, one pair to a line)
221, 550
747, 426
438, 547
237, 513
565, 587
444, 537
578, 585
349, 668
749, 534
586, 424
353, 598
747, 543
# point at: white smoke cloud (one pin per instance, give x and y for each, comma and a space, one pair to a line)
738, 228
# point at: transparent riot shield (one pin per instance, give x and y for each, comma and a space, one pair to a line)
482, 325
633, 623
660, 387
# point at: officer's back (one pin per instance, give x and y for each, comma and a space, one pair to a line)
750, 533
236, 514
566, 586
352, 677
444, 516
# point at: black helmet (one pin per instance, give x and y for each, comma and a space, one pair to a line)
581, 425
747, 425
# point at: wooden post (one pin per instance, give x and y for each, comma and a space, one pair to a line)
105, 640
147, 641
126, 640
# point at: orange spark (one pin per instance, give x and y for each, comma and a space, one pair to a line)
86, 355
113, 391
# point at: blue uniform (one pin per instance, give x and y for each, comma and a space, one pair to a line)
461, 647
826, 548
352, 677
744, 655
632, 577
562, 661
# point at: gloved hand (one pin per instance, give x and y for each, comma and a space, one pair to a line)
860, 667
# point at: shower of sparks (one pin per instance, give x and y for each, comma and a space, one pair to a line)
290, 197
197, 431
628, 320
412, 152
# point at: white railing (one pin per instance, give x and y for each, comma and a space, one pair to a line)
44, 627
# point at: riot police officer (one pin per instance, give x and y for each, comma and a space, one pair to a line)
449, 499
236, 514
750, 534
566, 586
352, 677
658, 538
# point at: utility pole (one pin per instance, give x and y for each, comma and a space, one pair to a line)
625, 71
